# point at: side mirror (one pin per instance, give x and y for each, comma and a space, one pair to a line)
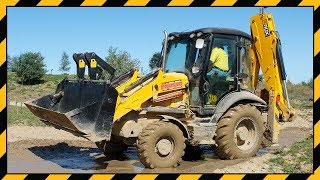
199, 43
243, 76
240, 44
195, 70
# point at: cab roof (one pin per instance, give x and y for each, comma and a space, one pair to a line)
226, 31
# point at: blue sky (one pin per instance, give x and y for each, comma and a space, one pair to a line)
140, 31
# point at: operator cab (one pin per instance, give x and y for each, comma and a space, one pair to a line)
214, 63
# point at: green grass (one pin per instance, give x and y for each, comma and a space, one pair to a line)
301, 104
300, 92
22, 116
302, 151
301, 96
20, 93
290, 160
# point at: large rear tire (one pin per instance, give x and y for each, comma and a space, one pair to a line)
239, 132
161, 144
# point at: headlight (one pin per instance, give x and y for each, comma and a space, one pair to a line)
199, 34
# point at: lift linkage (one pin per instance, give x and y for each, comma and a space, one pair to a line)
95, 66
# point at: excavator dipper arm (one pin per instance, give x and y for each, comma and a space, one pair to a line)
267, 55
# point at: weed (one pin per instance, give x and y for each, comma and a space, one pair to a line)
290, 161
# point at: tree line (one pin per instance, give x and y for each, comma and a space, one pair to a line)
30, 67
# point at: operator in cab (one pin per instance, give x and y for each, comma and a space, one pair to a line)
218, 71
218, 64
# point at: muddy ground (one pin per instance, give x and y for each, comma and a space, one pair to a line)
47, 150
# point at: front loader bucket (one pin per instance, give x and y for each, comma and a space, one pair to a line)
84, 108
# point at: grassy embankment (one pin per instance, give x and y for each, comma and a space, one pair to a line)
18, 92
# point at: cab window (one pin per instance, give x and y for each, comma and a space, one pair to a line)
221, 69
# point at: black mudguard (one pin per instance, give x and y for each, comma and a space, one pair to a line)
232, 98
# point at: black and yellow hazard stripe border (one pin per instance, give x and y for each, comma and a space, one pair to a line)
114, 3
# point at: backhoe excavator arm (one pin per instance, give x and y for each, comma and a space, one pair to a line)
267, 55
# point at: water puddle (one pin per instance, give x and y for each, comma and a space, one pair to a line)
71, 157
85, 157
290, 135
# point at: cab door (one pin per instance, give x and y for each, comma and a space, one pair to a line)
195, 72
221, 69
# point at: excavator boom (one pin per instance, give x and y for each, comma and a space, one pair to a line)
267, 55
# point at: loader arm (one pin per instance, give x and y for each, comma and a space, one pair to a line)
136, 92
267, 55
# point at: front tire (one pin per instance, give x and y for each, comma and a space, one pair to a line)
239, 132
161, 144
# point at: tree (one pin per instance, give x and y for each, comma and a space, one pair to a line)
303, 83
121, 61
29, 67
155, 60
310, 83
9, 63
64, 63
289, 83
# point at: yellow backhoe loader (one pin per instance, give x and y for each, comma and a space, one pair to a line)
195, 97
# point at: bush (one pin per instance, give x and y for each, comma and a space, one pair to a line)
29, 67
310, 83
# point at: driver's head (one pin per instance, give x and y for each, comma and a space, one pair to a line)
215, 45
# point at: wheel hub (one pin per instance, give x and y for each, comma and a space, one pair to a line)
164, 147
242, 133
245, 134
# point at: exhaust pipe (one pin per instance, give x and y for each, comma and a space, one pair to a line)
164, 48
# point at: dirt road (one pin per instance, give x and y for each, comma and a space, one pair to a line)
47, 150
